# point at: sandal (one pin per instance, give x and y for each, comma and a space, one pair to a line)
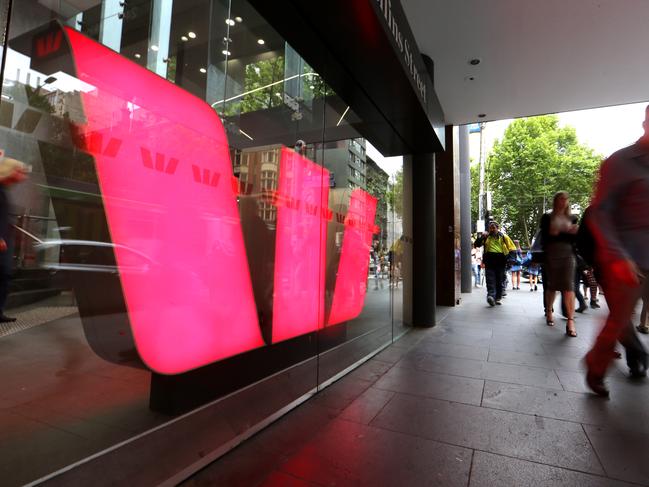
569, 332
549, 322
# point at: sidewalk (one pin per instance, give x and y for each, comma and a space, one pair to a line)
489, 397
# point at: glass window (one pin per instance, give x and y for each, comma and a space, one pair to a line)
190, 214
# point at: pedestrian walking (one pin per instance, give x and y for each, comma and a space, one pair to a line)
620, 226
11, 172
643, 327
559, 229
533, 270
476, 264
516, 265
497, 247
581, 268
591, 286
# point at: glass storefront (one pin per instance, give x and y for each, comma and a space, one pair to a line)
202, 213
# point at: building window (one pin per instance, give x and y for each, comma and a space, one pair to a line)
269, 157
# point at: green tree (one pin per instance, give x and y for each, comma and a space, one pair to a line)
535, 159
395, 193
475, 191
377, 186
259, 75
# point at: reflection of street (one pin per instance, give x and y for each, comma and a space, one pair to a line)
56, 387
30, 317
381, 304
59, 401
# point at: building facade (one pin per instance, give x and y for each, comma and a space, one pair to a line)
191, 249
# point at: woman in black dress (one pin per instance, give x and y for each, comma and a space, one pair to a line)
559, 230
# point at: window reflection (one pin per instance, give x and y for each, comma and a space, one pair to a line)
319, 221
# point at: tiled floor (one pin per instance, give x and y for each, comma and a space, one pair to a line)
489, 397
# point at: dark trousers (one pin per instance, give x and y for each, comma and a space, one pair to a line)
494, 274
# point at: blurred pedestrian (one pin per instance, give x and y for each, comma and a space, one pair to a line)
476, 264
11, 172
620, 226
516, 260
533, 270
590, 286
559, 231
643, 327
497, 247
579, 274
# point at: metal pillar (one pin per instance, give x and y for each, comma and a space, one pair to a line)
159, 38
465, 211
110, 26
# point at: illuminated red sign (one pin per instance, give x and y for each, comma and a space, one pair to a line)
164, 171
298, 301
351, 282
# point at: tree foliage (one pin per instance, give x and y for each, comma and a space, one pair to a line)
535, 159
395, 193
475, 192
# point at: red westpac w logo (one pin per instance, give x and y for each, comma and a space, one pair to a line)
196, 302
48, 43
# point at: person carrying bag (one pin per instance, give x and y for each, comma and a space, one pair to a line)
497, 247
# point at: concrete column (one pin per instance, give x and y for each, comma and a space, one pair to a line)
110, 26
422, 170
159, 39
447, 242
465, 211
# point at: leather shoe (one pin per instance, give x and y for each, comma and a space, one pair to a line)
6, 319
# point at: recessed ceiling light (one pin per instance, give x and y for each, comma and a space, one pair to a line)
230, 21
238, 19
203, 70
154, 48
226, 52
482, 115
469, 78
475, 61
192, 35
137, 55
184, 38
261, 42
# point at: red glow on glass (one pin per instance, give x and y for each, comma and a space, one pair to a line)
164, 171
49, 43
351, 280
298, 302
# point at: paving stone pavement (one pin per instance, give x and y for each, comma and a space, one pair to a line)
29, 317
488, 397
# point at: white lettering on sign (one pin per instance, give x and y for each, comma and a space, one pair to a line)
404, 46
